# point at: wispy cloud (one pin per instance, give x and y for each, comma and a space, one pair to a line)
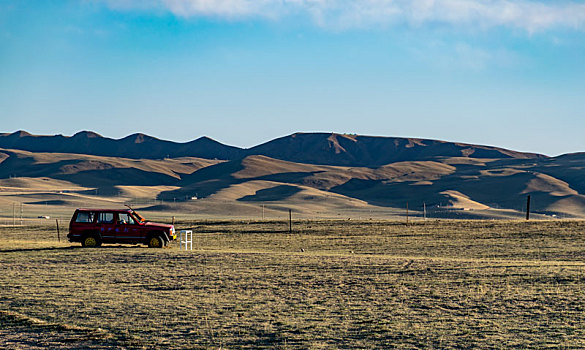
529, 15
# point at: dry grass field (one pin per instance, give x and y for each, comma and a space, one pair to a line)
329, 284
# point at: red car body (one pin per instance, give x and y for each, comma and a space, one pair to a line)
92, 227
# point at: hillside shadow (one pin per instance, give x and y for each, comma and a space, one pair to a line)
291, 177
48, 202
205, 181
118, 177
498, 192
570, 169
15, 166
271, 194
389, 194
212, 179
105, 179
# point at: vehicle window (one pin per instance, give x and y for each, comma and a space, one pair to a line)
84, 216
105, 218
125, 219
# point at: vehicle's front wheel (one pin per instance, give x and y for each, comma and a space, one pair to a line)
156, 242
91, 241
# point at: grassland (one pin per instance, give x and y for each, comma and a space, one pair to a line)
329, 284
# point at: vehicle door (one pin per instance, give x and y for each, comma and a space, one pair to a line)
107, 226
81, 223
127, 229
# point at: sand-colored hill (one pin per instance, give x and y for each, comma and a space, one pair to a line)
276, 192
442, 177
458, 200
548, 184
95, 171
20, 184
262, 166
143, 191
574, 205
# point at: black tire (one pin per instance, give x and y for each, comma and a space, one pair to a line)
91, 241
156, 242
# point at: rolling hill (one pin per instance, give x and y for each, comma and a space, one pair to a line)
310, 172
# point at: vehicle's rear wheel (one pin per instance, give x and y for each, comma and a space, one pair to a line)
91, 241
156, 242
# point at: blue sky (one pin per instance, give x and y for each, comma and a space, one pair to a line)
496, 72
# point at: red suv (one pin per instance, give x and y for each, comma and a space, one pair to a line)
92, 227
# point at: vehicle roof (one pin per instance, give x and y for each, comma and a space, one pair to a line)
102, 209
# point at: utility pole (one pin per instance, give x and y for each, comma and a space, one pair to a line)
528, 208
290, 221
425, 210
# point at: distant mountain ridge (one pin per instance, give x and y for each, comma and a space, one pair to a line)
135, 146
309, 148
372, 151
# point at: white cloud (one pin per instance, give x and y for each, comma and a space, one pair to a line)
530, 15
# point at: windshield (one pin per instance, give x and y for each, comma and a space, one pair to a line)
139, 218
